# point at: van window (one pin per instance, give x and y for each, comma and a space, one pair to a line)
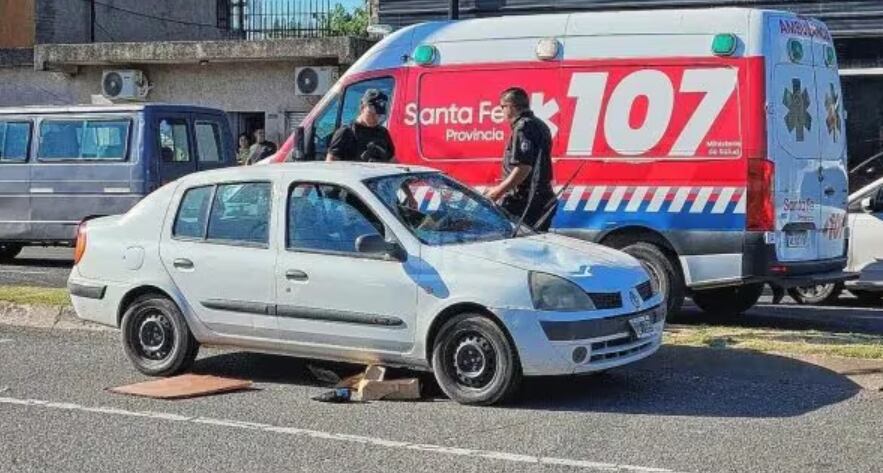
15, 138
83, 139
174, 142
241, 214
190, 222
208, 142
353, 96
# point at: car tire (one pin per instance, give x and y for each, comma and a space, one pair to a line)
8, 251
867, 297
474, 361
664, 274
818, 294
728, 301
156, 337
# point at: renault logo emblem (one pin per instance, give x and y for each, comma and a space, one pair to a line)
636, 299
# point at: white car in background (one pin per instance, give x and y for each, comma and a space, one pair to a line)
360, 263
865, 252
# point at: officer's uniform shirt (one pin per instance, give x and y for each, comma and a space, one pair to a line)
530, 144
350, 143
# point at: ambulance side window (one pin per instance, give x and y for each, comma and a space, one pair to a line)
324, 127
353, 96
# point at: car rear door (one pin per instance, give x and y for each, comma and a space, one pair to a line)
794, 144
218, 251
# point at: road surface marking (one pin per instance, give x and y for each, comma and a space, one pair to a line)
16, 271
5, 340
317, 434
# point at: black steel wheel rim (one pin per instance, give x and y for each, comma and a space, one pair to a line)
153, 335
472, 360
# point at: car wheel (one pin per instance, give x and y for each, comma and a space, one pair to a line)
867, 297
8, 251
156, 337
664, 274
818, 294
474, 362
728, 301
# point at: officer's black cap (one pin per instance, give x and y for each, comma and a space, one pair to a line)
376, 99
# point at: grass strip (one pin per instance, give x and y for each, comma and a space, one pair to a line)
34, 295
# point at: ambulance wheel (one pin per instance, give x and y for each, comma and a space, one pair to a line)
818, 294
728, 301
8, 251
664, 274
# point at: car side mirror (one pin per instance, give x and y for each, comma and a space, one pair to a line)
874, 203
375, 244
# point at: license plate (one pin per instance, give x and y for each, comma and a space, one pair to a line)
643, 326
796, 239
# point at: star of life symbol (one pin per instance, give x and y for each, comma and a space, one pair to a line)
798, 117
832, 106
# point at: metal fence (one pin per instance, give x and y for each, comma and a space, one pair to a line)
268, 19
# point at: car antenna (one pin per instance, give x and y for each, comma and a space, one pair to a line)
566, 186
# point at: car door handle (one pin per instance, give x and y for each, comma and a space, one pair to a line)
829, 191
296, 275
182, 263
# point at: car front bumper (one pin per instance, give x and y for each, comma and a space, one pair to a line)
550, 343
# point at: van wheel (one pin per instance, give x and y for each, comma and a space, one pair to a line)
474, 362
664, 274
818, 294
8, 251
156, 337
728, 301
867, 297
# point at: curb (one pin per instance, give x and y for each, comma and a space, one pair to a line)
45, 317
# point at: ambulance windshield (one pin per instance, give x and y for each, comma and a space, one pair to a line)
441, 211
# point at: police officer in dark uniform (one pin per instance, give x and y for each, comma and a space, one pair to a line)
365, 139
526, 190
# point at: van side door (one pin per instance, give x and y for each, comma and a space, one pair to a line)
15, 145
172, 134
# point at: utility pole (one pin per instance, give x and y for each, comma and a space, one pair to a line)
454, 10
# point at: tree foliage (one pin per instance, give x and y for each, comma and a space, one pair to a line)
348, 23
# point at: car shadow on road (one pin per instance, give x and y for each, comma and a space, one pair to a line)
696, 381
41, 262
677, 381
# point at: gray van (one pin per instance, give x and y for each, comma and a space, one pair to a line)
62, 165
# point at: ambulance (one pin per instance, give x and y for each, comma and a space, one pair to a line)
710, 144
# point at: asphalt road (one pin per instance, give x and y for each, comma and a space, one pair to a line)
684, 409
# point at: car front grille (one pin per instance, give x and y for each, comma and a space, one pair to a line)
606, 300
645, 290
618, 348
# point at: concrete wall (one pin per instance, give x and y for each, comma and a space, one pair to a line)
16, 23
233, 87
68, 21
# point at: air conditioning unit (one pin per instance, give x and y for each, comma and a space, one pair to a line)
124, 85
313, 80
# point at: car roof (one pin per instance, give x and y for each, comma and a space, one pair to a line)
339, 172
100, 108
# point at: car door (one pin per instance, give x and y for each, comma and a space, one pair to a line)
866, 232
328, 293
176, 151
220, 255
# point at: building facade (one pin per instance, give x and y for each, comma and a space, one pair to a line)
241, 56
857, 26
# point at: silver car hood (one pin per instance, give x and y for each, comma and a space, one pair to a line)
590, 265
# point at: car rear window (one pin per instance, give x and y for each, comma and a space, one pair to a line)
15, 138
241, 214
83, 140
192, 214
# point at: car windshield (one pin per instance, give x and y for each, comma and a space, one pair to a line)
441, 211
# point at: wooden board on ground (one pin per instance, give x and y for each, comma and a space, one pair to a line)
184, 386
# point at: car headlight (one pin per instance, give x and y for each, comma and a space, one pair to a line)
550, 292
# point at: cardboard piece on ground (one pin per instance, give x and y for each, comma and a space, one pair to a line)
373, 386
184, 386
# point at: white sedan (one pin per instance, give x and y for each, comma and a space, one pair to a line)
360, 263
